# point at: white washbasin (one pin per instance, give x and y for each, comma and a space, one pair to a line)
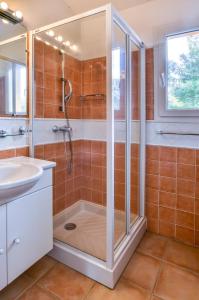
17, 178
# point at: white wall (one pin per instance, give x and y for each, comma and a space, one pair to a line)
93, 36
15, 50
154, 18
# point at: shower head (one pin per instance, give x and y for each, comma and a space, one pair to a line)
67, 96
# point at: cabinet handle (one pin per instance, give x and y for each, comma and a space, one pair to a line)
17, 241
1, 251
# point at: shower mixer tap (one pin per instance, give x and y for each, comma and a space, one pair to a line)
61, 129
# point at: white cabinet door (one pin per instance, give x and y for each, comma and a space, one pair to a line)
29, 231
3, 262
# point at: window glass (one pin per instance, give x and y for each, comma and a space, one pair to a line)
183, 71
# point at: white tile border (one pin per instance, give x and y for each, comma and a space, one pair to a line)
11, 125
181, 141
96, 130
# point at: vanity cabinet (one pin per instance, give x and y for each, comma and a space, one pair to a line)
26, 229
29, 231
3, 256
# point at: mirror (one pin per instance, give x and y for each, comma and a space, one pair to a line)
13, 76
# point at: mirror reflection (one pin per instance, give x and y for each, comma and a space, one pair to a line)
13, 76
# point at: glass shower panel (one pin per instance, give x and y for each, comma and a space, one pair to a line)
74, 52
119, 102
135, 129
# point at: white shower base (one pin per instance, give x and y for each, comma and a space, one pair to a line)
84, 248
90, 233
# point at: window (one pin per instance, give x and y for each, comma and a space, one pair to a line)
179, 76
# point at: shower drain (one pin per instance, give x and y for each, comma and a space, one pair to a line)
70, 226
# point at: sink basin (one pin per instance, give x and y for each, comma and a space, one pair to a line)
17, 178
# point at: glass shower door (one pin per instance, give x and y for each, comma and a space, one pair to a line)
135, 59
127, 60
119, 55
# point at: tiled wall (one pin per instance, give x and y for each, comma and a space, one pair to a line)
94, 82
94, 171
94, 174
24, 151
48, 86
87, 77
73, 73
172, 192
47, 62
149, 84
66, 186
88, 178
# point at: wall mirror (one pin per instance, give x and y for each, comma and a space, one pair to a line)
13, 76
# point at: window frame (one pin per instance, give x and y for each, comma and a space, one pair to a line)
160, 68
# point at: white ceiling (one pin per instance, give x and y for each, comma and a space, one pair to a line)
80, 6
39, 13
149, 18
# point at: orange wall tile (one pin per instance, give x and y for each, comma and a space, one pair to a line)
149, 84
87, 77
172, 205
24, 151
48, 86
88, 179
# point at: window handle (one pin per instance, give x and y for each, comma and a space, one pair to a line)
163, 80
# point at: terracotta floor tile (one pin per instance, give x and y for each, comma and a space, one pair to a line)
16, 288
176, 284
153, 244
182, 255
66, 283
41, 267
142, 270
123, 291
37, 293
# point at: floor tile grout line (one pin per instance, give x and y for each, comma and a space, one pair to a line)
159, 298
171, 263
134, 284
163, 261
89, 291
24, 291
49, 291
158, 276
40, 277
35, 281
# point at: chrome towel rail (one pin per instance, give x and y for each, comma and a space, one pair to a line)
22, 131
177, 132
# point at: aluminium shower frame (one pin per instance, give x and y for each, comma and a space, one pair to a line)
108, 272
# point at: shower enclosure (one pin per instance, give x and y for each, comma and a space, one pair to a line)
99, 205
